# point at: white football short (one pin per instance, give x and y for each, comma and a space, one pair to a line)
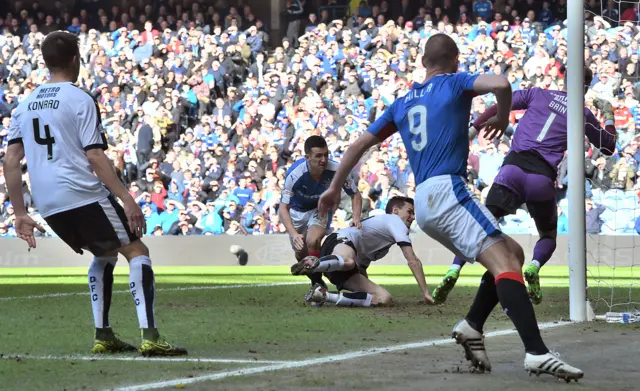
450, 213
303, 220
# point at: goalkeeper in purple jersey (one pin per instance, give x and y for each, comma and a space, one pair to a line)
529, 171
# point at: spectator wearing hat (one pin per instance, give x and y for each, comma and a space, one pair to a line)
211, 221
183, 217
170, 214
186, 229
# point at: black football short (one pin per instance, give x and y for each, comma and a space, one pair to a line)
338, 278
100, 227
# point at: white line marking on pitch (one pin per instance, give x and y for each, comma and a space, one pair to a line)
152, 359
187, 288
316, 361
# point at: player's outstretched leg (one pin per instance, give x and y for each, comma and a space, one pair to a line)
441, 291
101, 288
319, 295
512, 294
312, 264
542, 252
143, 289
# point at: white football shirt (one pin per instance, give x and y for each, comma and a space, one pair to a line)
376, 237
57, 124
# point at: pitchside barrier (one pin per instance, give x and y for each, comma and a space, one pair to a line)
618, 251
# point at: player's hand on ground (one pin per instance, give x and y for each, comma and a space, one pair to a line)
329, 200
137, 223
428, 299
495, 127
298, 242
24, 229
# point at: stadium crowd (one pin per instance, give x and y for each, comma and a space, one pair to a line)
204, 110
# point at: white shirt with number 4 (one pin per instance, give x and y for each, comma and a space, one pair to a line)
57, 123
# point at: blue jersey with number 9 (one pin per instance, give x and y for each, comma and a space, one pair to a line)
433, 120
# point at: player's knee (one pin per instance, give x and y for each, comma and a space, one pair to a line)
383, 299
134, 249
349, 263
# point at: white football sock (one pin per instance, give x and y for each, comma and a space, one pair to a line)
455, 266
534, 262
330, 263
354, 299
101, 287
142, 285
332, 297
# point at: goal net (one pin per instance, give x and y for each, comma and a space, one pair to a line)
613, 183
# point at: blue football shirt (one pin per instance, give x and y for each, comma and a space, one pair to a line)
302, 191
433, 121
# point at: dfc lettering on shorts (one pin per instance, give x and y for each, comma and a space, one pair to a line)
132, 286
92, 286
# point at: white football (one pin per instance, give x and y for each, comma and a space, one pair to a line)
235, 249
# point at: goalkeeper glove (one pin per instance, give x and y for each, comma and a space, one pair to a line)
605, 107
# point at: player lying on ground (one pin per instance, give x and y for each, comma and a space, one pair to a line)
58, 129
305, 181
347, 253
432, 120
529, 171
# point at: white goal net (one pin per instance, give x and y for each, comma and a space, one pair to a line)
612, 32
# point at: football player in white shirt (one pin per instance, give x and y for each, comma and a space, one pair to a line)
57, 128
347, 253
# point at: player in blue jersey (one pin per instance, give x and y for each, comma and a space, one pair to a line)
305, 181
530, 169
433, 120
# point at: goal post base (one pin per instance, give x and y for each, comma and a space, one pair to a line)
591, 316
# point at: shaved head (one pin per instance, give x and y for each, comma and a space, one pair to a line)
441, 53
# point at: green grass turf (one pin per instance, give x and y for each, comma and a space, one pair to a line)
30, 374
246, 323
555, 275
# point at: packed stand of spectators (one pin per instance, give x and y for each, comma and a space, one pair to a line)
204, 111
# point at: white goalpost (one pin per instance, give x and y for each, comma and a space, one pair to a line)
575, 140
611, 259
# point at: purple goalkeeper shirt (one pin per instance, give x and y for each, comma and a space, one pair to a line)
543, 127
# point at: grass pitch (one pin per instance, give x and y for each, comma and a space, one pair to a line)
235, 313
